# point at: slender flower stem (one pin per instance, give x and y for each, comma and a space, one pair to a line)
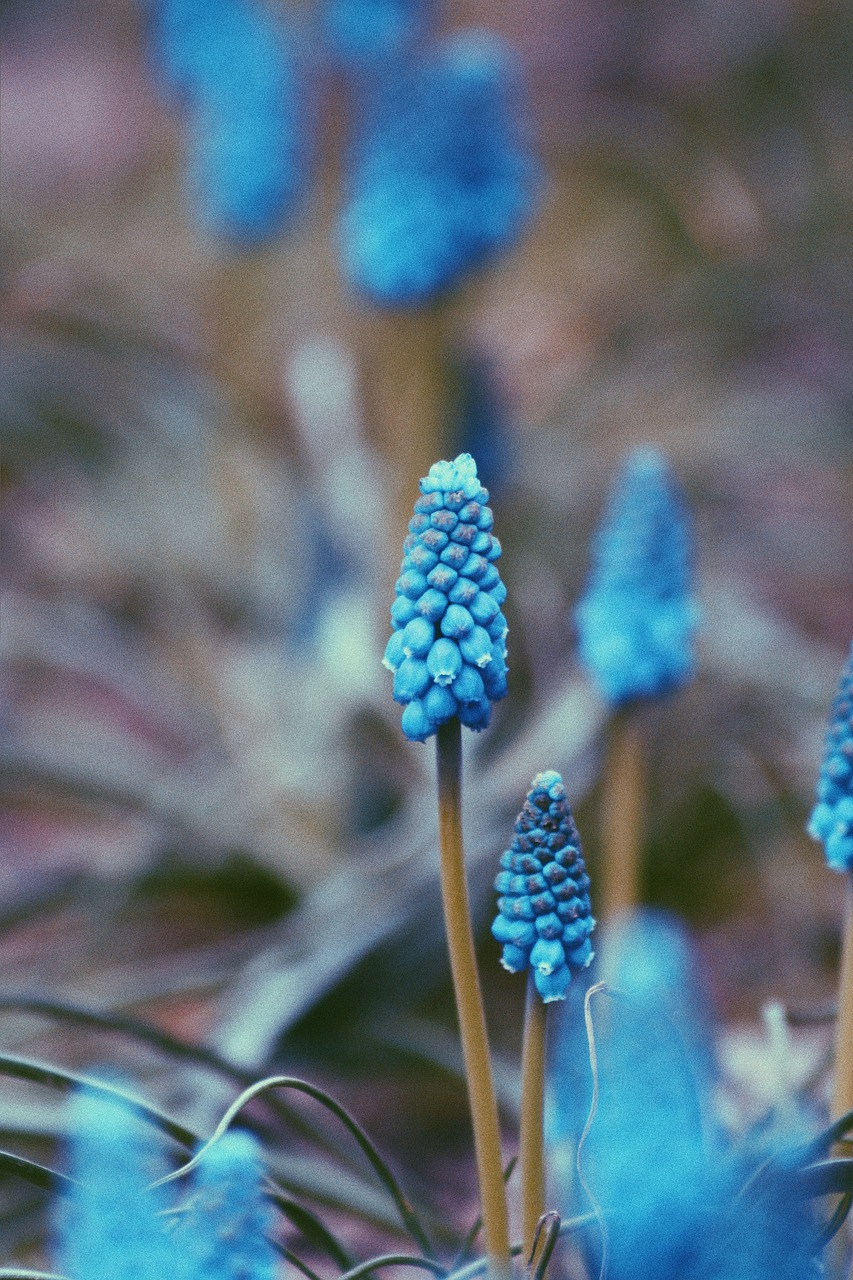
623, 817
842, 1100
532, 1145
469, 1000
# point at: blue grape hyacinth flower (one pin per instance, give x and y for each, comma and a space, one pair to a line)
670, 1185
448, 647
108, 1227
544, 921
232, 63
227, 1233
442, 178
637, 617
366, 33
831, 821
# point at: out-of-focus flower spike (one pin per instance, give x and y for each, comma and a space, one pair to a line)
637, 617
653, 1049
545, 920
365, 34
445, 663
108, 1227
831, 820
228, 1233
442, 178
232, 62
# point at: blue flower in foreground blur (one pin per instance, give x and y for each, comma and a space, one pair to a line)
441, 180
637, 617
832, 817
669, 1186
232, 63
367, 32
545, 922
108, 1228
448, 650
230, 1220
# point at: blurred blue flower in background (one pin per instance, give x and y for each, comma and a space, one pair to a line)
230, 1221
112, 1225
442, 179
653, 1160
448, 648
544, 918
246, 138
831, 821
637, 616
108, 1227
368, 32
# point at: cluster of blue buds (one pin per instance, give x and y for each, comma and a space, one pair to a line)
369, 32
448, 649
442, 179
637, 617
832, 817
113, 1223
544, 920
229, 60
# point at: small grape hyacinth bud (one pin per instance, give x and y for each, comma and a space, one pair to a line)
637, 617
445, 663
442, 178
831, 821
544, 921
230, 1221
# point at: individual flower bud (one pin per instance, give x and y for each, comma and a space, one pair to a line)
831, 821
545, 855
637, 617
439, 653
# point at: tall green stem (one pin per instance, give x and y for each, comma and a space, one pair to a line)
623, 816
469, 1000
532, 1144
842, 1099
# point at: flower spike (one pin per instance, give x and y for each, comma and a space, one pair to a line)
448, 649
637, 617
110, 1227
831, 821
442, 179
544, 920
231, 1220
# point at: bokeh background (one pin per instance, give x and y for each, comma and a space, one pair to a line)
210, 818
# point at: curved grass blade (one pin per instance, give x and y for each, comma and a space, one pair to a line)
544, 1239
836, 1222
480, 1266
23, 1273
138, 1029
57, 1078
828, 1177
407, 1214
40, 1073
394, 1260
839, 1129
38, 1175
312, 1228
300, 1266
